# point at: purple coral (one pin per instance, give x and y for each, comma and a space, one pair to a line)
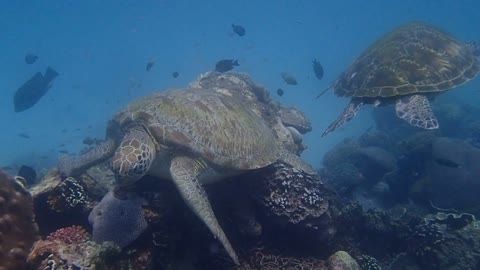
117, 220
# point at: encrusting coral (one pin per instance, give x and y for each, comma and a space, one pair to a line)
18, 230
71, 248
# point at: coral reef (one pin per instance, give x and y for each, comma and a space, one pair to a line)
18, 230
375, 138
454, 185
71, 248
446, 241
341, 260
290, 194
120, 221
358, 170
59, 198
69, 235
424, 238
60, 193
279, 217
367, 262
340, 169
374, 232
452, 220
262, 260
387, 121
70, 195
378, 159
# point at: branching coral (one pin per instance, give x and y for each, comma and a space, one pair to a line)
70, 195
367, 262
61, 194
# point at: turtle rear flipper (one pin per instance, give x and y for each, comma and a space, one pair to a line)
350, 111
415, 109
185, 172
73, 166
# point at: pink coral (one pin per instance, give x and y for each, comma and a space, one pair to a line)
69, 235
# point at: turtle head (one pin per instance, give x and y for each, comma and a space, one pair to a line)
133, 157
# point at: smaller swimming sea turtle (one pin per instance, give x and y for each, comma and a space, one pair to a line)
191, 136
406, 67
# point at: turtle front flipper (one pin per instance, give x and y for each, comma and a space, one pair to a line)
134, 156
415, 109
350, 111
185, 172
73, 166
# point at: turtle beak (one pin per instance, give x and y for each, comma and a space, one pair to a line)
126, 175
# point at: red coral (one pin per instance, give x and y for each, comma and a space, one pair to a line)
69, 235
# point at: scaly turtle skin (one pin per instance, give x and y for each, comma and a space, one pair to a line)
191, 136
404, 67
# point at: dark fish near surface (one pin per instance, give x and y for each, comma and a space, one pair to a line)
28, 173
30, 58
175, 74
24, 135
289, 79
446, 163
238, 29
280, 92
150, 65
32, 90
317, 69
226, 65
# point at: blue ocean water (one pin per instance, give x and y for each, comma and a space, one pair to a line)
100, 49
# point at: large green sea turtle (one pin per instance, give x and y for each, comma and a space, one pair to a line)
405, 67
191, 136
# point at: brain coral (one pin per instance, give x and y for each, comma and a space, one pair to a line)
120, 221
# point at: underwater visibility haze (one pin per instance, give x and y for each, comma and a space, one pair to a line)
333, 135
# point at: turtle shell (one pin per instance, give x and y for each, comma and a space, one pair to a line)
413, 58
209, 123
